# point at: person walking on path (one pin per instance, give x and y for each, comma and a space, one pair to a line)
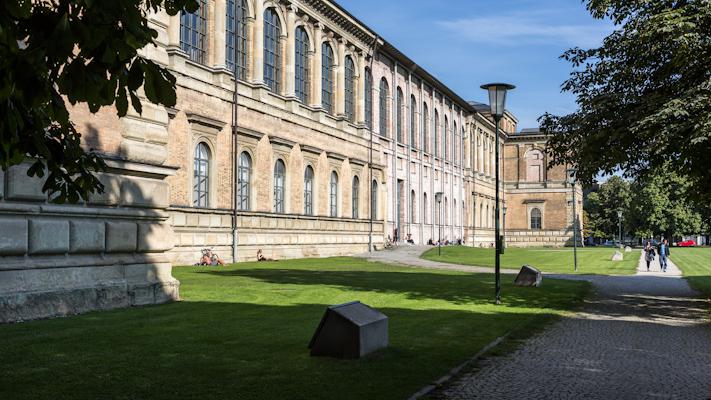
663, 254
648, 254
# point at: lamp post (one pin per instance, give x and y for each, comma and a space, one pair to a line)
438, 198
619, 223
497, 103
572, 174
503, 235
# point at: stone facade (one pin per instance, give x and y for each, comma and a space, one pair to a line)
341, 143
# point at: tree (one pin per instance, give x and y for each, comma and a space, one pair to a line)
602, 206
644, 96
76, 51
662, 207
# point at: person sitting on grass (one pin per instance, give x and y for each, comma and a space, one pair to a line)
260, 256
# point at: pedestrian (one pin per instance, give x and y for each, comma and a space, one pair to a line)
663, 254
648, 254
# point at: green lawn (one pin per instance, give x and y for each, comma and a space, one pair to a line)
555, 260
695, 263
242, 332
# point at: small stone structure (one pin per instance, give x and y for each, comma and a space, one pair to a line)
528, 276
618, 256
628, 249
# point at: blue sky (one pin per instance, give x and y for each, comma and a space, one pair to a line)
466, 43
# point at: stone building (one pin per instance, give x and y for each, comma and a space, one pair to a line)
341, 143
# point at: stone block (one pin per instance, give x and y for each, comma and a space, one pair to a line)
13, 236
179, 219
204, 220
49, 236
121, 237
192, 220
87, 236
112, 190
22, 187
215, 221
143, 192
154, 238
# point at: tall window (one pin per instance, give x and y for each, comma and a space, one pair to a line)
399, 119
201, 176
279, 178
413, 120
244, 177
193, 29
272, 50
383, 107
355, 196
368, 99
425, 206
481, 215
301, 67
536, 219
454, 142
333, 195
374, 199
413, 208
309, 191
446, 211
327, 77
350, 89
238, 37
435, 139
445, 133
425, 130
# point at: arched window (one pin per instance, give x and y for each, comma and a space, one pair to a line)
413, 208
536, 219
238, 37
413, 121
446, 211
272, 50
193, 30
374, 199
435, 139
201, 176
487, 215
355, 198
454, 213
534, 166
244, 178
463, 150
383, 106
301, 65
454, 142
333, 195
445, 134
309, 191
350, 89
481, 215
425, 206
493, 216
279, 180
425, 130
399, 119
368, 99
327, 77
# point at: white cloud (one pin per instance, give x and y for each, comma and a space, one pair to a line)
533, 28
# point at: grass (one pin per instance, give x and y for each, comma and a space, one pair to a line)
695, 263
554, 260
241, 333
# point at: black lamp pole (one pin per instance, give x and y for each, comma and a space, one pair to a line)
497, 102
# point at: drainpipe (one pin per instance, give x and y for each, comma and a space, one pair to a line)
235, 143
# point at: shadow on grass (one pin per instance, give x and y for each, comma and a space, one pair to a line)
203, 350
475, 289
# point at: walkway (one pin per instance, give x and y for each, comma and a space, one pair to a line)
410, 255
639, 337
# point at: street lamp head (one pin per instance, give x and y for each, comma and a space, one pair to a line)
438, 197
619, 214
572, 174
497, 97
504, 209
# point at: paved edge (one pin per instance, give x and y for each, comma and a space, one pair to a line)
454, 372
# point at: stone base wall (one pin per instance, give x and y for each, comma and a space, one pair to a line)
67, 259
278, 236
544, 238
292, 236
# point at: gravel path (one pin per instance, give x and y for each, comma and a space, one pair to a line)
645, 336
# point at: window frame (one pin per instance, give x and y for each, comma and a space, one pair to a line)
308, 190
355, 197
272, 56
244, 190
193, 33
383, 100
327, 81
333, 195
279, 184
350, 80
201, 175
302, 67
